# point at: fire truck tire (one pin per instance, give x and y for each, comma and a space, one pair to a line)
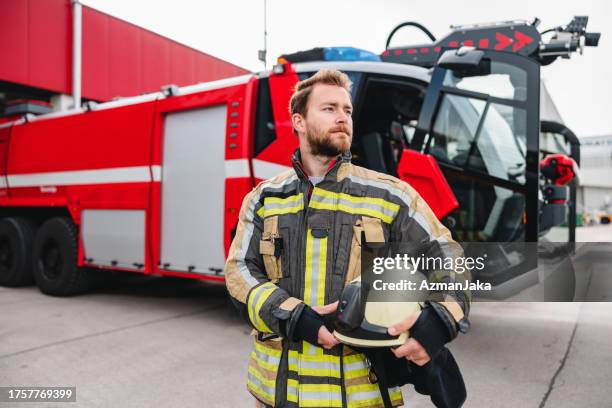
16, 237
55, 259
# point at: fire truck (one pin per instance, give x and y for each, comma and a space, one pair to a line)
153, 184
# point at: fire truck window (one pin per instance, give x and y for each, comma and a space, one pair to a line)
505, 81
495, 147
455, 128
486, 212
501, 144
264, 122
553, 143
383, 110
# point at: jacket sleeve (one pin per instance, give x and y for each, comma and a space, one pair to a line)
417, 223
265, 305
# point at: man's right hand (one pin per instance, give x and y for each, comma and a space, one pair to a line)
325, 338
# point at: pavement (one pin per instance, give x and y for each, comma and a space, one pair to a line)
144, 341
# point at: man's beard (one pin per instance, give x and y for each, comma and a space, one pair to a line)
322, 143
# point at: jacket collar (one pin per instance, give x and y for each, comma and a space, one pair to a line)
296, 160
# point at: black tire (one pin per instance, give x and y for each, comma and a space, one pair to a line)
16, 236
55, 259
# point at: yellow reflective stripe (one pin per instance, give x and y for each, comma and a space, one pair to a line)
357, 199
363, 395
320, 388
258, 391
262, 371
323, 365
292, 360
278, 206
261, 378
279, 211
318, 403
362, 372
284, 201
353, 389
355, 366
350, 210
320, 395
292, 390
322, 269
268, 350
266, 359
354, 358
314, 279
308, 274
316, 264
259, 385
256, 299
314, 372
370, 206
310, 349
323, 402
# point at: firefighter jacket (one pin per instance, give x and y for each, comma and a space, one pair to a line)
298, 245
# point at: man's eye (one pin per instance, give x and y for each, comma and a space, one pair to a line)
328, 108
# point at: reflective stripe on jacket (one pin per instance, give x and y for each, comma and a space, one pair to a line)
297, 243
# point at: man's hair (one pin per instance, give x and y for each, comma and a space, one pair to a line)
303, 89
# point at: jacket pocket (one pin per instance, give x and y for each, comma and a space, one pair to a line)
374, 232
271, 248
263, 370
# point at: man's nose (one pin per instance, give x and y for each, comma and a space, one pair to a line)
342, 117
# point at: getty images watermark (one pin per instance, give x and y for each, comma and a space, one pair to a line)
514, 271
415, 264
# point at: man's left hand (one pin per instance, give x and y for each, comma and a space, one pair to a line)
411, 350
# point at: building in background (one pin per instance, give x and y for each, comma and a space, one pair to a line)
116, 58
595, 190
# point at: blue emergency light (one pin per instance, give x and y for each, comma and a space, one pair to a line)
348, 54
329, 54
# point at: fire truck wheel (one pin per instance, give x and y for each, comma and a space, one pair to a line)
55, 259
16, 236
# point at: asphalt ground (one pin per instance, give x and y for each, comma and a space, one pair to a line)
144, 341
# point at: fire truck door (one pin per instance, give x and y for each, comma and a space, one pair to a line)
480, 120
193, 179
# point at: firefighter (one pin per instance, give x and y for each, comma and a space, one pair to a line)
297, 245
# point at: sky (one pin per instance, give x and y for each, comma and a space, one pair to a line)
581, 86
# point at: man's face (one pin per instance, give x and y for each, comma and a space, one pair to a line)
328, 124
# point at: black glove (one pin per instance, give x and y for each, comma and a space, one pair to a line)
430, 331
308, 325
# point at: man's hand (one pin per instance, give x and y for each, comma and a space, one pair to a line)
326, 339
411, 350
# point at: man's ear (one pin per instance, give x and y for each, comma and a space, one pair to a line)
297, 120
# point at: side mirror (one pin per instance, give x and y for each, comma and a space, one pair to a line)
465, 61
